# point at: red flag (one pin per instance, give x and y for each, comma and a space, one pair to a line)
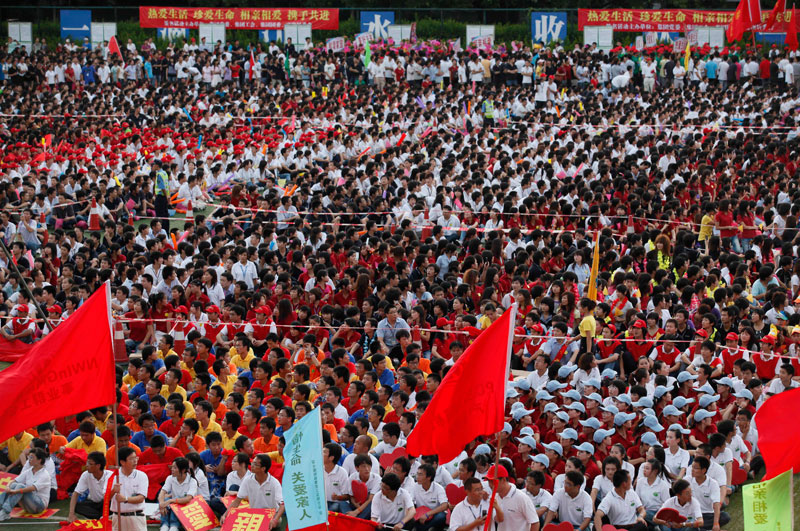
791, 32
471, 398
747, 15
777, 439
41, 157
70, 370
156, 476
253, 60
113, 48
780, 7
343, 522
11, 351
70, 471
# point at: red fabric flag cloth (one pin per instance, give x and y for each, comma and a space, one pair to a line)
791, 32
747, 15
343, 522
70, 471
780, 7
777, 439
11, 351
156, 475
69, 371
113, 48
471, 398
253, 60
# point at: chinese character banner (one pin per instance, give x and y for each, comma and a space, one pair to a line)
303, 477
663, 19
237, 18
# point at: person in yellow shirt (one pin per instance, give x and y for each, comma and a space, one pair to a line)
706, 224
224, 378
15, 446
172, 380
100, 418
241, 352
203, 413
87, 441
587, 327
165, 345
131, 377
230, 430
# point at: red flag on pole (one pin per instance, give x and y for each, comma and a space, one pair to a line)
69, 371
777, 439
471, 398
253, 60
791, 32
780, 7
747, 15
113, 48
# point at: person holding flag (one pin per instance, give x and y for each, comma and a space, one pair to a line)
261, 490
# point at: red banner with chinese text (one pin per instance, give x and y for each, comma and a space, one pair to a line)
195, 515
237, 18
664, 19
248, 519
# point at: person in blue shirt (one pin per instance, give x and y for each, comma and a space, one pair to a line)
368, 399
148, 424
146, 373
215, 464
88, 74
157, 408
385, 376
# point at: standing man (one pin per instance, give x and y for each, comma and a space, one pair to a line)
518, 509
127, 505
161, 192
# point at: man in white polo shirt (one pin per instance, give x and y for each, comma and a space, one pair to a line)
392, 507
472, 511
622, 506
571, 504
427, 493
261, 490
519, 513
706, 491
129, 494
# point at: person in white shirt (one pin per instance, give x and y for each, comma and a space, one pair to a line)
652, 487
391, 440
245, 270
427, 493
519, 513
129, 494
472, 511
685, 505
364, 474
31, 489
262, 491
179, 488
392, 506
534, 488
621, 506
571, 504
94, 482
649, 74
336, 480
707, 493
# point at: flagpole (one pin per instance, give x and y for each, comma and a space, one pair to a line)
512, 320
25, 287
107, 288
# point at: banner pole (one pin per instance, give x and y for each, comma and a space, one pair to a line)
495, 482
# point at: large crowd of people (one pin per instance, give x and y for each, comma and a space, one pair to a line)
286, 228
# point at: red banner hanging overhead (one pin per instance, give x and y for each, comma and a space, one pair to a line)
237, 18
665, 19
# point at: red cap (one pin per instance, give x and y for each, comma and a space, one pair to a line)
181, 309
212, 309
701, 333
612, 328
23, 309
732, 336
639, 324
55, 309
768, 339
265, 310
496, 472
520, 331
441, 322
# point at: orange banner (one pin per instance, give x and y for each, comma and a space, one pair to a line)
195, 515
237, 18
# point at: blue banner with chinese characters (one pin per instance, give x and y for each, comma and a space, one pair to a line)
303, 474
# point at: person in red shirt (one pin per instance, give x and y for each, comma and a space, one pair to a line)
724, 223
250, 419
172, 426
159, 452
